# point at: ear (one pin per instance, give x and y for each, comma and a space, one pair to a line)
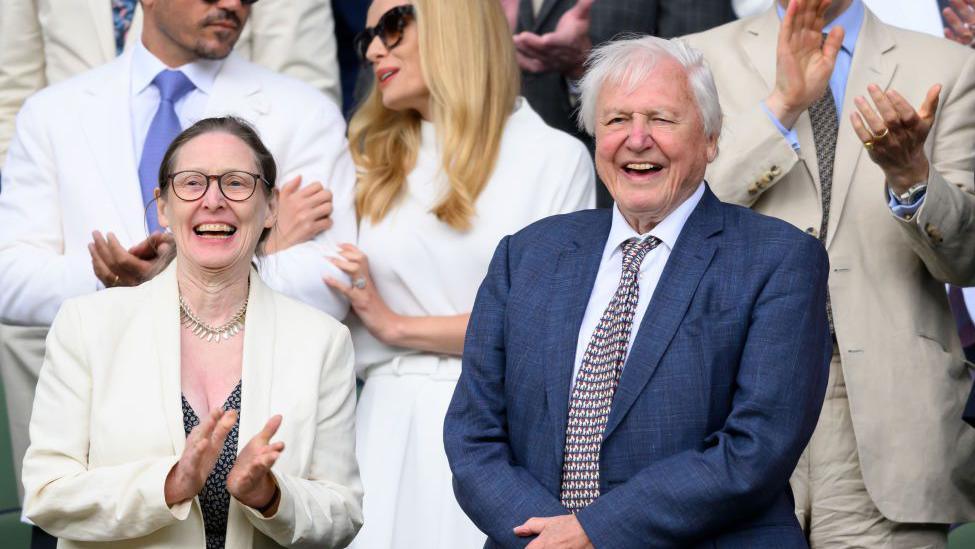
161, 208
712, 148
271, 211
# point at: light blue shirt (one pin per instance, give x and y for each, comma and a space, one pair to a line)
852, 21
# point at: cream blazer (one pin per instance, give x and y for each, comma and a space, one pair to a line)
43, 42
107, 424
905, 376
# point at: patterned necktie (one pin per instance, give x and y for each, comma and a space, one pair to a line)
122, 11
172, 86
825, 126
596, 382
963, 321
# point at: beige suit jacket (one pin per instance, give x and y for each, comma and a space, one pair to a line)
901, 357
107, 424
43, 42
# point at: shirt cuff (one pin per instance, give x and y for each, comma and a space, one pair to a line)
790, 135
904, 211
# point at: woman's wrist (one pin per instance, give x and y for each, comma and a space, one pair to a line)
392, 330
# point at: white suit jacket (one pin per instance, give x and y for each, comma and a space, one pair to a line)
107, 424
43, 42
905, 375
71, 170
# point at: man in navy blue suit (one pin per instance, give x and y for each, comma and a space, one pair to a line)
645, 376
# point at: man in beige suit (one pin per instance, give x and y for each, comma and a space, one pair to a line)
866, 139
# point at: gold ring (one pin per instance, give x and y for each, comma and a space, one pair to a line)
882, 134
115, 282
868, 144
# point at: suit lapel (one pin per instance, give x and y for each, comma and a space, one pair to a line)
256, 372
107, 125
577, 268
687, 263
543, 14
237, 91
165, 315
871, 65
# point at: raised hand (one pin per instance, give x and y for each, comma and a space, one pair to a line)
365, 300
960, 17
303, 212
563, 50
804, 62
894, 134
116, 266
203, 447
250, 480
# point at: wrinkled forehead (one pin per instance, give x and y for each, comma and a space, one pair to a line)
661, 74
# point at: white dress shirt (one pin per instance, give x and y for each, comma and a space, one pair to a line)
611, 270
145, 96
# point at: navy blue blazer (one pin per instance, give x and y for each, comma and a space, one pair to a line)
719, 395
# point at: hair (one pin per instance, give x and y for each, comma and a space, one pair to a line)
629, 60
232, 125
468, 63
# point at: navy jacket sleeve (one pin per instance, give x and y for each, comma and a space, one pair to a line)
496, 494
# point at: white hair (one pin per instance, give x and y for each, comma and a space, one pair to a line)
630, 59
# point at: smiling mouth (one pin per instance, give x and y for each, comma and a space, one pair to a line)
641, 168
387, 74
214, 230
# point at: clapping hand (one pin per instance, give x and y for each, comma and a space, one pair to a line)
250, 481
960, 17
563, 50
116, 266
804, 62
894, 134
203, 447
303, 212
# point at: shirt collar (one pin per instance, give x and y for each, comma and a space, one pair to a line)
667, 230
145, 66
851, 20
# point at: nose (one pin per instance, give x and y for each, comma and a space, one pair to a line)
376, 50
640, 137
213, 197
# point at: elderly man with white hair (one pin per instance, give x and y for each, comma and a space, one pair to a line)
646, 375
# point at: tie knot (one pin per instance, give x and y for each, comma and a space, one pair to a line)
172, 85
634, 250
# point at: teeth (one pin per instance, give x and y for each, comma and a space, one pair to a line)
386, 75
641, 166
214, 227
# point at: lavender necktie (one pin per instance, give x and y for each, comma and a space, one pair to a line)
172, 86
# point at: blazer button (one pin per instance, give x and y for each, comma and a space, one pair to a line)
812, 231
775, 171
753, 189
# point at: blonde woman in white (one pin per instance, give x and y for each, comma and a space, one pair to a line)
450, 160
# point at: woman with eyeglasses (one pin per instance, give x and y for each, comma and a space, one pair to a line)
450, 159
200, 409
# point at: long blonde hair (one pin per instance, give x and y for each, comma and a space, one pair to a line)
468, 63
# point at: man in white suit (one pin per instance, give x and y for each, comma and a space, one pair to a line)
72, 170
865, 139
43, 42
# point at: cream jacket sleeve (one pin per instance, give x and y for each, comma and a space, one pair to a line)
21, 63
62, 495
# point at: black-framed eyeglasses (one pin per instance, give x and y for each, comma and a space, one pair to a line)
236, 186
389, 29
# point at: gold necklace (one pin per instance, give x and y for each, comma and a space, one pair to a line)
206, 332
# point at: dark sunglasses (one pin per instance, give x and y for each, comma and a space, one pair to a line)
389, 29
